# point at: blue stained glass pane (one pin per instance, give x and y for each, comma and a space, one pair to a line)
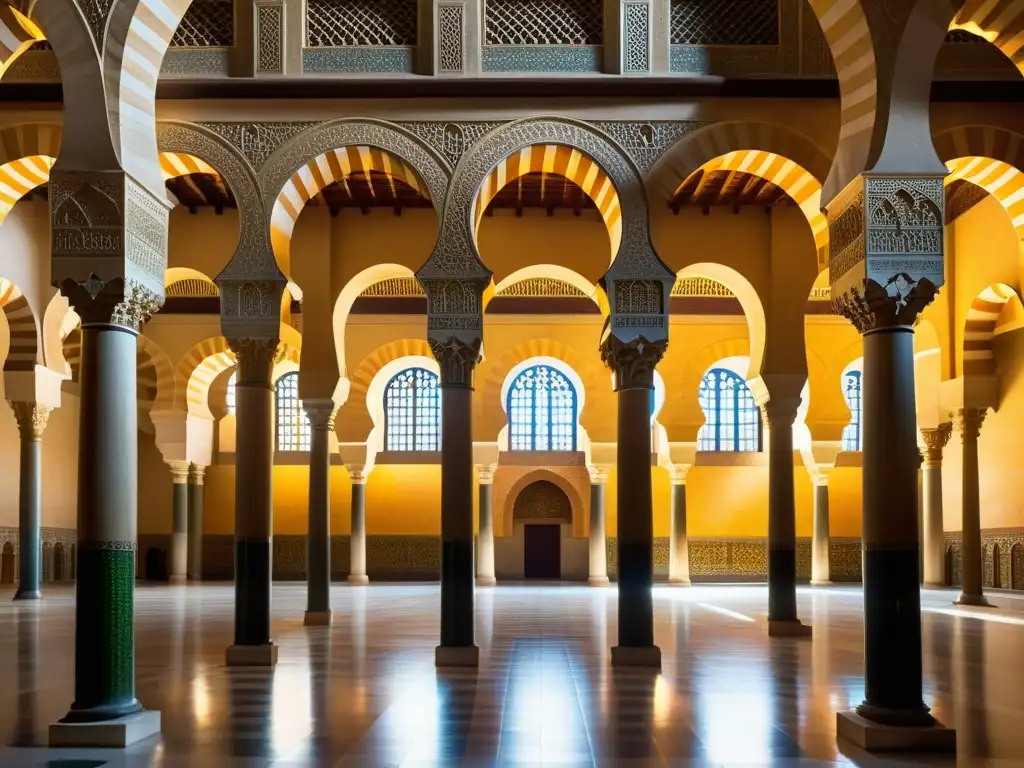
732, 419
412, 411
542, 411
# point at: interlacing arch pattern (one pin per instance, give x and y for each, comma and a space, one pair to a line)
999, 21
991, 158
980, 328
567, 162
23, 354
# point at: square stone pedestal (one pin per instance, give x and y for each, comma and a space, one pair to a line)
457, 656
177, 580
317, 618
252, 655
113, 734
788, 629
598, 581
876, 737
625, 656
679, 582
358, 581
486, 581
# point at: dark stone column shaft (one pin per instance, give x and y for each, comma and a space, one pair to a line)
820, 566
179, 524
892, 599
635, 519
357, 536
318, 543
107, 514
195, 523
485, 532
31, 419
968, 423
456, 515
781, 514
678, 555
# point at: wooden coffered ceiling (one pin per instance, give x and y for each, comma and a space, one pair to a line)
735, 189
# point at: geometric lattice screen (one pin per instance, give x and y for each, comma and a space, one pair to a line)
342, 23
543, 22
206, 24
725, 22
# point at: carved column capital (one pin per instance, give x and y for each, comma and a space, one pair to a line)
256, 358
677, 474
968, 422
457, 358
598, 474
31, 418
320, 413
357, 473
633, 362
179, 471
780, 412
934, 441
196, 474
485, 473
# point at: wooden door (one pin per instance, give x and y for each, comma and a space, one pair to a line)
543, 552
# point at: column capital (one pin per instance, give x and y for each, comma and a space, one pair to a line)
820, 476
196, 474
457, 358
968, 422
485, 473
886, 245
678, 472
31, 418
633, 362
598, 474
358, 474
179, 471
321, 413
935, 439
780, 412
256, 358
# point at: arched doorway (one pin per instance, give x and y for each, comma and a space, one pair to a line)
997, 568
7, 564
542, 508
156, 564
1017, 566
47, 569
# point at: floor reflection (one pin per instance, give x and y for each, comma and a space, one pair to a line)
364, 692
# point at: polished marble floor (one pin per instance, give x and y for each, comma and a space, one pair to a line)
365, 691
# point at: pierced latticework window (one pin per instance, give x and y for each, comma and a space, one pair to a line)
732, 419
338, 23
412, 411
541, 287
293, 432
700, 287
206, 24
852, 431
725, 22
542, 407
229, 395
543, 22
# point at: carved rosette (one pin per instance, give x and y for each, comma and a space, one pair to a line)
457, 359
256, 358
934, 441
633, 362
886, 249
31, 418
968, 422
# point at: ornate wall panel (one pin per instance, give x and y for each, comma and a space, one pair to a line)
542, 500
206, 24
451, 22
725, 22
637, 38
1002, 551
331, 61
360, 36
269, 39
543, 35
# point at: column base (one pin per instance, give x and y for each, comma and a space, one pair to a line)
627, 656
978, 601
358, 581
821, 582
28, 594
678, 582
252, 655
598, 581
876, 737
788, 629
317, 619
117, 734
177, 580
486, 581
457, 656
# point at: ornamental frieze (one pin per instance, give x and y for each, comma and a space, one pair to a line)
257, 141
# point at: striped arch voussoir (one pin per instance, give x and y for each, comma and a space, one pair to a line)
998, 21
196, 371
372, 363
155, 376
23, 354
980, 327
27, 152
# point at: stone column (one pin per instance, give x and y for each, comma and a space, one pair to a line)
780, 413
485, 529
678, 545
598, 529
254, 464
318, 543
968, 423
195, 522
178, 565
821, 572
31, 418
458, 361
357, 538
934, 541
633, 364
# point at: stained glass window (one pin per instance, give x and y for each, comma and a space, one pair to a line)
293, 431
851, 391
229, 396
732, 419
541, 408
412, 411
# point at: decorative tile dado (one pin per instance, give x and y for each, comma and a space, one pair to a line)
52, 536
1002, 553
542, 58
196, 62
361, 59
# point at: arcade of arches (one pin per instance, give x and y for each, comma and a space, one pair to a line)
684, 338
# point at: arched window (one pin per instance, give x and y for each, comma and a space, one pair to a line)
412, 411
732, 419
293, 431
851, 391
229, 395
542, 411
